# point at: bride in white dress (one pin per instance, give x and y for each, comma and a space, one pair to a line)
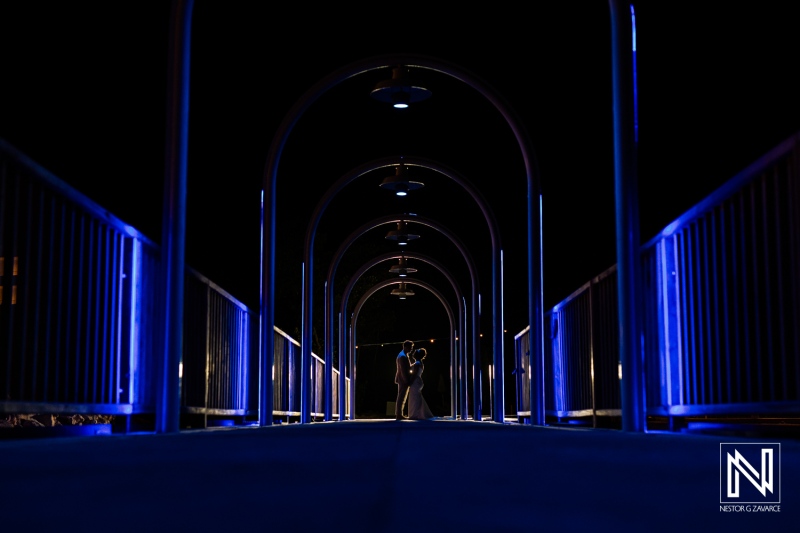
417, 406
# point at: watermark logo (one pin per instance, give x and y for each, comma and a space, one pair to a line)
750, 473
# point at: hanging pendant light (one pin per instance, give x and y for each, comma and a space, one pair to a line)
401, 234
401, 269
402, 291
399, 91
400, 182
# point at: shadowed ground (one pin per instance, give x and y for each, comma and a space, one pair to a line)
381, 476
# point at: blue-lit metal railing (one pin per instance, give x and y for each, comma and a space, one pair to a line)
218, 347
721, 310
581, 354
286, 383
722, 286
79, 325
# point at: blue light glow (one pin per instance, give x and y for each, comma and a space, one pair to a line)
635, 84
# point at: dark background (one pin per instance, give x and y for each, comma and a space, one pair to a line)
83, 93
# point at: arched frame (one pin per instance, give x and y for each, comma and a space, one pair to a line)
623, 38
308, 276
449, 235
535, 292
462, 324
354, 320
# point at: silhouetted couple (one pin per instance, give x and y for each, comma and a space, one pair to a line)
409, 383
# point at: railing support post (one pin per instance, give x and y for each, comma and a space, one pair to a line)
623, 48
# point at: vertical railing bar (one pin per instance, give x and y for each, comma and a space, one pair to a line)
209, 335
116, 377
99, 252
62, 253
244, 360
586, 345
745, 305
782, 178
566, 356
725, 338
215, 346
247, 358
735, 291
70, 303
779, 259
90, 308
111, 342
756, 299
677, 265
793, 196
23, 296
706, 355
715, 370
686, 316
592, 347
111, 313
214, 351
219, 355
107, 307
235, 383
241, 367
223, 354
764, 178
581, 398
50, 301
37, 292
80, 274
584, 380
233, 376
5, 278
686, 304
233, 359
693, 279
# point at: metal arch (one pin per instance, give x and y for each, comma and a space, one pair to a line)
396, 218
343, 310
308, 278
627, 223
535, 293
372, 290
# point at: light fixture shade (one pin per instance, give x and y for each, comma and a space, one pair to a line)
401, 234
399, 91
400, 182
402, 269
402, 291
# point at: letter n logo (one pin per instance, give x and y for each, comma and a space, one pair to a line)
750, 472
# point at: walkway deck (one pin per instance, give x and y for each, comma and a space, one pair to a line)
381, 476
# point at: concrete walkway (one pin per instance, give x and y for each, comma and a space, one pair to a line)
381, 476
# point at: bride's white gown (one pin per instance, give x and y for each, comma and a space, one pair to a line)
417, 406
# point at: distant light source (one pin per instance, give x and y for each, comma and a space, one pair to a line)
402, 291
400, 183
399, 91
402, 269
401, 234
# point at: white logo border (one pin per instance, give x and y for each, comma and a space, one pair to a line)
722, 481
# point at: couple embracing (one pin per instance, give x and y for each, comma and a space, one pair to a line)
409, 383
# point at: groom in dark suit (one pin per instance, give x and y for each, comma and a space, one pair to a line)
403, 378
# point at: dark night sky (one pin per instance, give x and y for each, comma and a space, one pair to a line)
84, 92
